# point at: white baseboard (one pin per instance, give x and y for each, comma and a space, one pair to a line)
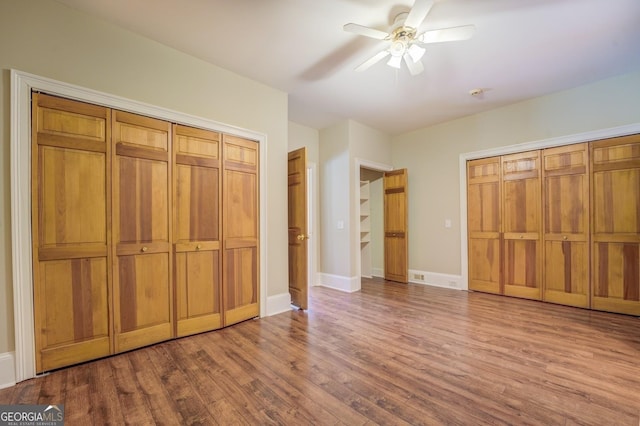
278, 304
338, 282
436, 280
377, 272
7, 370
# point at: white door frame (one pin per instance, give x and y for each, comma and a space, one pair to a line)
312, 225
22, 84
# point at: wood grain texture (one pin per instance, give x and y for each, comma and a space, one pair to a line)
297, 224
484, 224
70, 231
143, 308
522, 224
240, 232
439, 357
396, 225
566, 225
615, 234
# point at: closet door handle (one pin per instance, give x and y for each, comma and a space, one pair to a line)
198, 247
564, 237
144, 249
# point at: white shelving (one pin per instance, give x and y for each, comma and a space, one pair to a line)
365, 228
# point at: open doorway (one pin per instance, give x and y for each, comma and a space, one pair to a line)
371, 223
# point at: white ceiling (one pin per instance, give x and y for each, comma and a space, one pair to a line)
521, 49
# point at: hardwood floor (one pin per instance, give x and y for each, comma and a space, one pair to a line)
390, 354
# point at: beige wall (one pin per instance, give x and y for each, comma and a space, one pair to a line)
432, 155
334, 200
303, 136
51, 40
340, 146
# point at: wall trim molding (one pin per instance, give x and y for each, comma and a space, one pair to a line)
7, 370
22, 84
339, 282
435, 279
278, 304
589, 136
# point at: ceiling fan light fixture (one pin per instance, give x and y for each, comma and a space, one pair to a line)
395, 61
416, 52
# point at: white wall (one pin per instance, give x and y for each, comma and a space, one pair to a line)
334, 201
48, 39
341, 147
371, 145
303, 136
432, 155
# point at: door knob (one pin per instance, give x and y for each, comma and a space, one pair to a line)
144, 249
301, 237
564, 237
198, 247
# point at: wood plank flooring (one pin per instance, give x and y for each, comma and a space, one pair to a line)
390, 354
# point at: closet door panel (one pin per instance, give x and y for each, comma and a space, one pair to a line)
197, 230
484, 214
241, 229
70, 231
521, 189
484, 264
143, 201
143, 294
73, 310
616, 224
566, 225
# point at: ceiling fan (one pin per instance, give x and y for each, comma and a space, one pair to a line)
406, 43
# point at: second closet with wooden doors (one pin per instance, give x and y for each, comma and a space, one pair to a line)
559, 224
144, 230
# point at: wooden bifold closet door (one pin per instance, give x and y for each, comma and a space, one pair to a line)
567, 220
143, 296
197, 189
616, 224
71, 230
484, 212
143, 230
566, 225
240, 257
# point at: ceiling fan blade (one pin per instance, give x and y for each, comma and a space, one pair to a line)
419, 11
415, 68
372, 60
365, 31
464, 32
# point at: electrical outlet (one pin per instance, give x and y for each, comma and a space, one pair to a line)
418, 277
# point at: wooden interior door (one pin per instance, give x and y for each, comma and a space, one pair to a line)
297, 206
143, 295
70, 164
240, 257
484, 224
197, 224
396, 262
521, 189
616, 224
566, 225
